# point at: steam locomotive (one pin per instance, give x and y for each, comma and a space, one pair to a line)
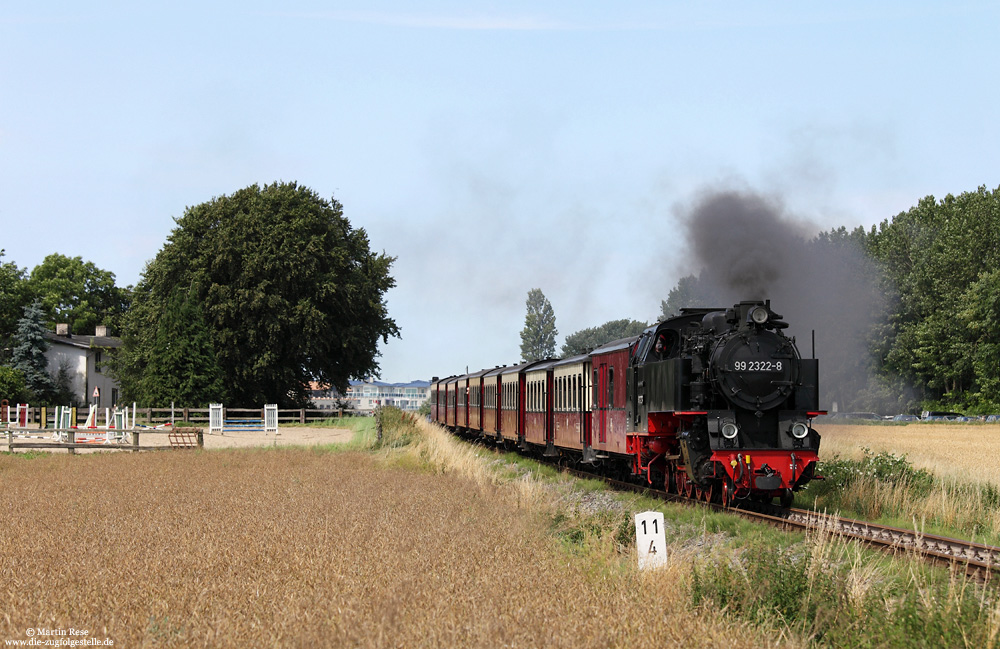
714, 404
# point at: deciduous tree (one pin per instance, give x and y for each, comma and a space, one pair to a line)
78, 293
288, 289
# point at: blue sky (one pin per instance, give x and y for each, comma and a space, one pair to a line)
491, 147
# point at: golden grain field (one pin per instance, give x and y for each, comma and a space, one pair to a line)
293, 547
962, 451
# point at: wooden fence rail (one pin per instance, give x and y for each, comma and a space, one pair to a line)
179, 437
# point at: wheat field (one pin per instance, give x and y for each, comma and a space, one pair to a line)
965, 451
296, 547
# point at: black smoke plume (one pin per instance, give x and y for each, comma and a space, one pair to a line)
748, 247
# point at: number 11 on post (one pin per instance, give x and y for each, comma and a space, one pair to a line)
650, 540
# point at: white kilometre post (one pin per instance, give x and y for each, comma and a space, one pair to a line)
650, 540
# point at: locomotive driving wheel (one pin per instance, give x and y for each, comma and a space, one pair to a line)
727, 492
708, 492
668, 479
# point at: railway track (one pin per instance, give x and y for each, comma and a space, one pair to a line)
979, 561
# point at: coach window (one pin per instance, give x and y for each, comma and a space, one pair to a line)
611, 387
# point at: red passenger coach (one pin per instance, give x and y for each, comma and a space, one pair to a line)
491, 402
462, 409
609, 365
439, 403
571, 416
511, 394
451, 402
513, 391
475, 420
538, 404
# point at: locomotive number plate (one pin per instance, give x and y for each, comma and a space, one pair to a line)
757, 366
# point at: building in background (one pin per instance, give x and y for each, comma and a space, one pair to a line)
365, 395
81, 358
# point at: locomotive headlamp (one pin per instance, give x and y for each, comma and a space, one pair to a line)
729, 430
759, 315
799, 430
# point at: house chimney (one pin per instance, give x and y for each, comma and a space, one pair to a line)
62, 329
101, 331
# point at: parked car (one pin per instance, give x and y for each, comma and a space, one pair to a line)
906, 418
857, 415
939, 415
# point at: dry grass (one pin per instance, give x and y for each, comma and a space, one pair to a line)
291, 547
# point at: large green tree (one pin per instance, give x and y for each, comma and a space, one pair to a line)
78, 293
289, 291
538, 338
586, 339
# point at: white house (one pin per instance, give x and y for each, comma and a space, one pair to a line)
82, 357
